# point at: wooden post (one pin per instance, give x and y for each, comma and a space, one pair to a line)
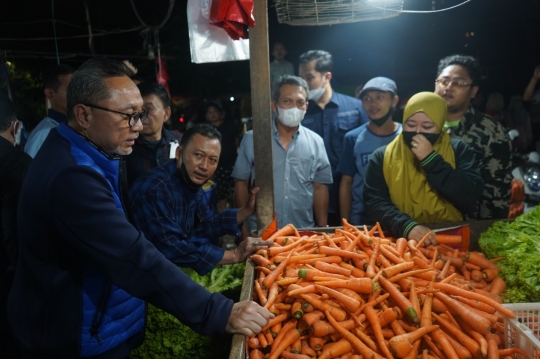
261, 113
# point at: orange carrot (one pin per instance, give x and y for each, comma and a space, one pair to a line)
296, 309
490, 273
260, 293
272, 295
261, 261
412, 273
439, 338
394, 257
476, 275
370, 270
401, 245
476, 304
338, 313
356, 343
493, 350
359, 285
310, 318
399, 299
498, 286
460, 350
347, 302
512, 351
288, 230
401, 345
326, 267
341, 253
273, 251
387, 316
292, 336
327, 259
355, 272
306, 350
271, 278
475, 320
448, 239
463, 338
373, 319
479, 260
309, 274
336, 349
413, 298
253, 342
395, 269
289, 355
285, 331
277, 319
419, 244
316, 343
262, 340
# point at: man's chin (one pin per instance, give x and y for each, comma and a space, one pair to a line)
123, 151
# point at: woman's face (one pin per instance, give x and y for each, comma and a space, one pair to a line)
420, 122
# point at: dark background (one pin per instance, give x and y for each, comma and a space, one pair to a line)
406, 48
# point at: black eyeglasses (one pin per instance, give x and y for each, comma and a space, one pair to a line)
446, 83
132, 117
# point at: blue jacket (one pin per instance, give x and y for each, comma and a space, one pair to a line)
83, 267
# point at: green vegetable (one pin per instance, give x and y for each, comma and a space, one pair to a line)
519, 243
167, 338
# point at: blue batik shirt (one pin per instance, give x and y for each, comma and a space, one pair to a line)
171, 215
339, 116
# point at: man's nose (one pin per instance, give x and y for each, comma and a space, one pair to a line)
204, 164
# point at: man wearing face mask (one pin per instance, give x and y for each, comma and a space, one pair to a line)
330, 114
171, 208
379, 99
301, 167
13, 166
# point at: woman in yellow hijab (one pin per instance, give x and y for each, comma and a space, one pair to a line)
422, 176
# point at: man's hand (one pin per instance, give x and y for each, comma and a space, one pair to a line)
418, 232
250, 246
421, 147
247, 318
249, 208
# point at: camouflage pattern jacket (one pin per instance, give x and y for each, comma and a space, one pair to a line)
493, 148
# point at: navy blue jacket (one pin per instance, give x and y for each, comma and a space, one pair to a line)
83, 267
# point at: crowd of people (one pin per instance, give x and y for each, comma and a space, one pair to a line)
106, 202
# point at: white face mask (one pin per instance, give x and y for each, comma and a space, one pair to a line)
317, 93
290, 117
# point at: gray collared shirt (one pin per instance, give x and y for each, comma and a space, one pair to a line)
295, 169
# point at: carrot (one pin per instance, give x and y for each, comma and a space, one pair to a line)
327, 259
262, 340
261, 261
276, 329
448, 239
476, 275
490, 273
271, 278
413, 298
316, 343
401, 345
336, 349
285, 331
321, 328
395, 269
338, 313
301, 290
475, 320
272, 295
325, 267
445, 269
341, 253
387, 316
347, 302
255, 354
356, 343
370, 270
476, 304
292, 336
373, 319
463, 338
388, 253
512, 351
314, 316
289, 355
493, 350
359, 285
498, 286
273, 251
479, 260
306, 350
433, 347
253, 342
286, 281
260, 293
355, 272
288, 230
419, 244
439, 338
399, 299
460, 350
401, 245
309, 274
296, 309
277, 319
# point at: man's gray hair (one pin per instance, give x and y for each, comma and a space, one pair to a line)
288, 80
87, 84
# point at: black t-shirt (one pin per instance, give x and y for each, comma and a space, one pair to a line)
229, 133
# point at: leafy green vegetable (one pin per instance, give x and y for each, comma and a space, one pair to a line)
519, 243
167, 338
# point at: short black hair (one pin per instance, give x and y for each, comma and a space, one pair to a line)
153, 88
203, 129
324, 60
7, 112
87, 85
469, 63
50, 76
212, 104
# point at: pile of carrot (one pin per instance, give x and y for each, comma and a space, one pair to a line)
355, 294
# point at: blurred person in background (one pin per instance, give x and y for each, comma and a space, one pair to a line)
215, 116
55, 83
13, 167
329, 114
279, 66
458, 80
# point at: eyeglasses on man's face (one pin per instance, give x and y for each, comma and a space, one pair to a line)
452, 84
132, 117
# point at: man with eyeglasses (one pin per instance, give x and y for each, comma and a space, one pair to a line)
457, 83
84, 272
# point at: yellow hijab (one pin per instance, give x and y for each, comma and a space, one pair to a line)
406, 180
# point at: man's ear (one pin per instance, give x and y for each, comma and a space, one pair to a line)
81, 114
328, 76
474, 91
49, 93
273, 104
167, 114
178, 152
395, 101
